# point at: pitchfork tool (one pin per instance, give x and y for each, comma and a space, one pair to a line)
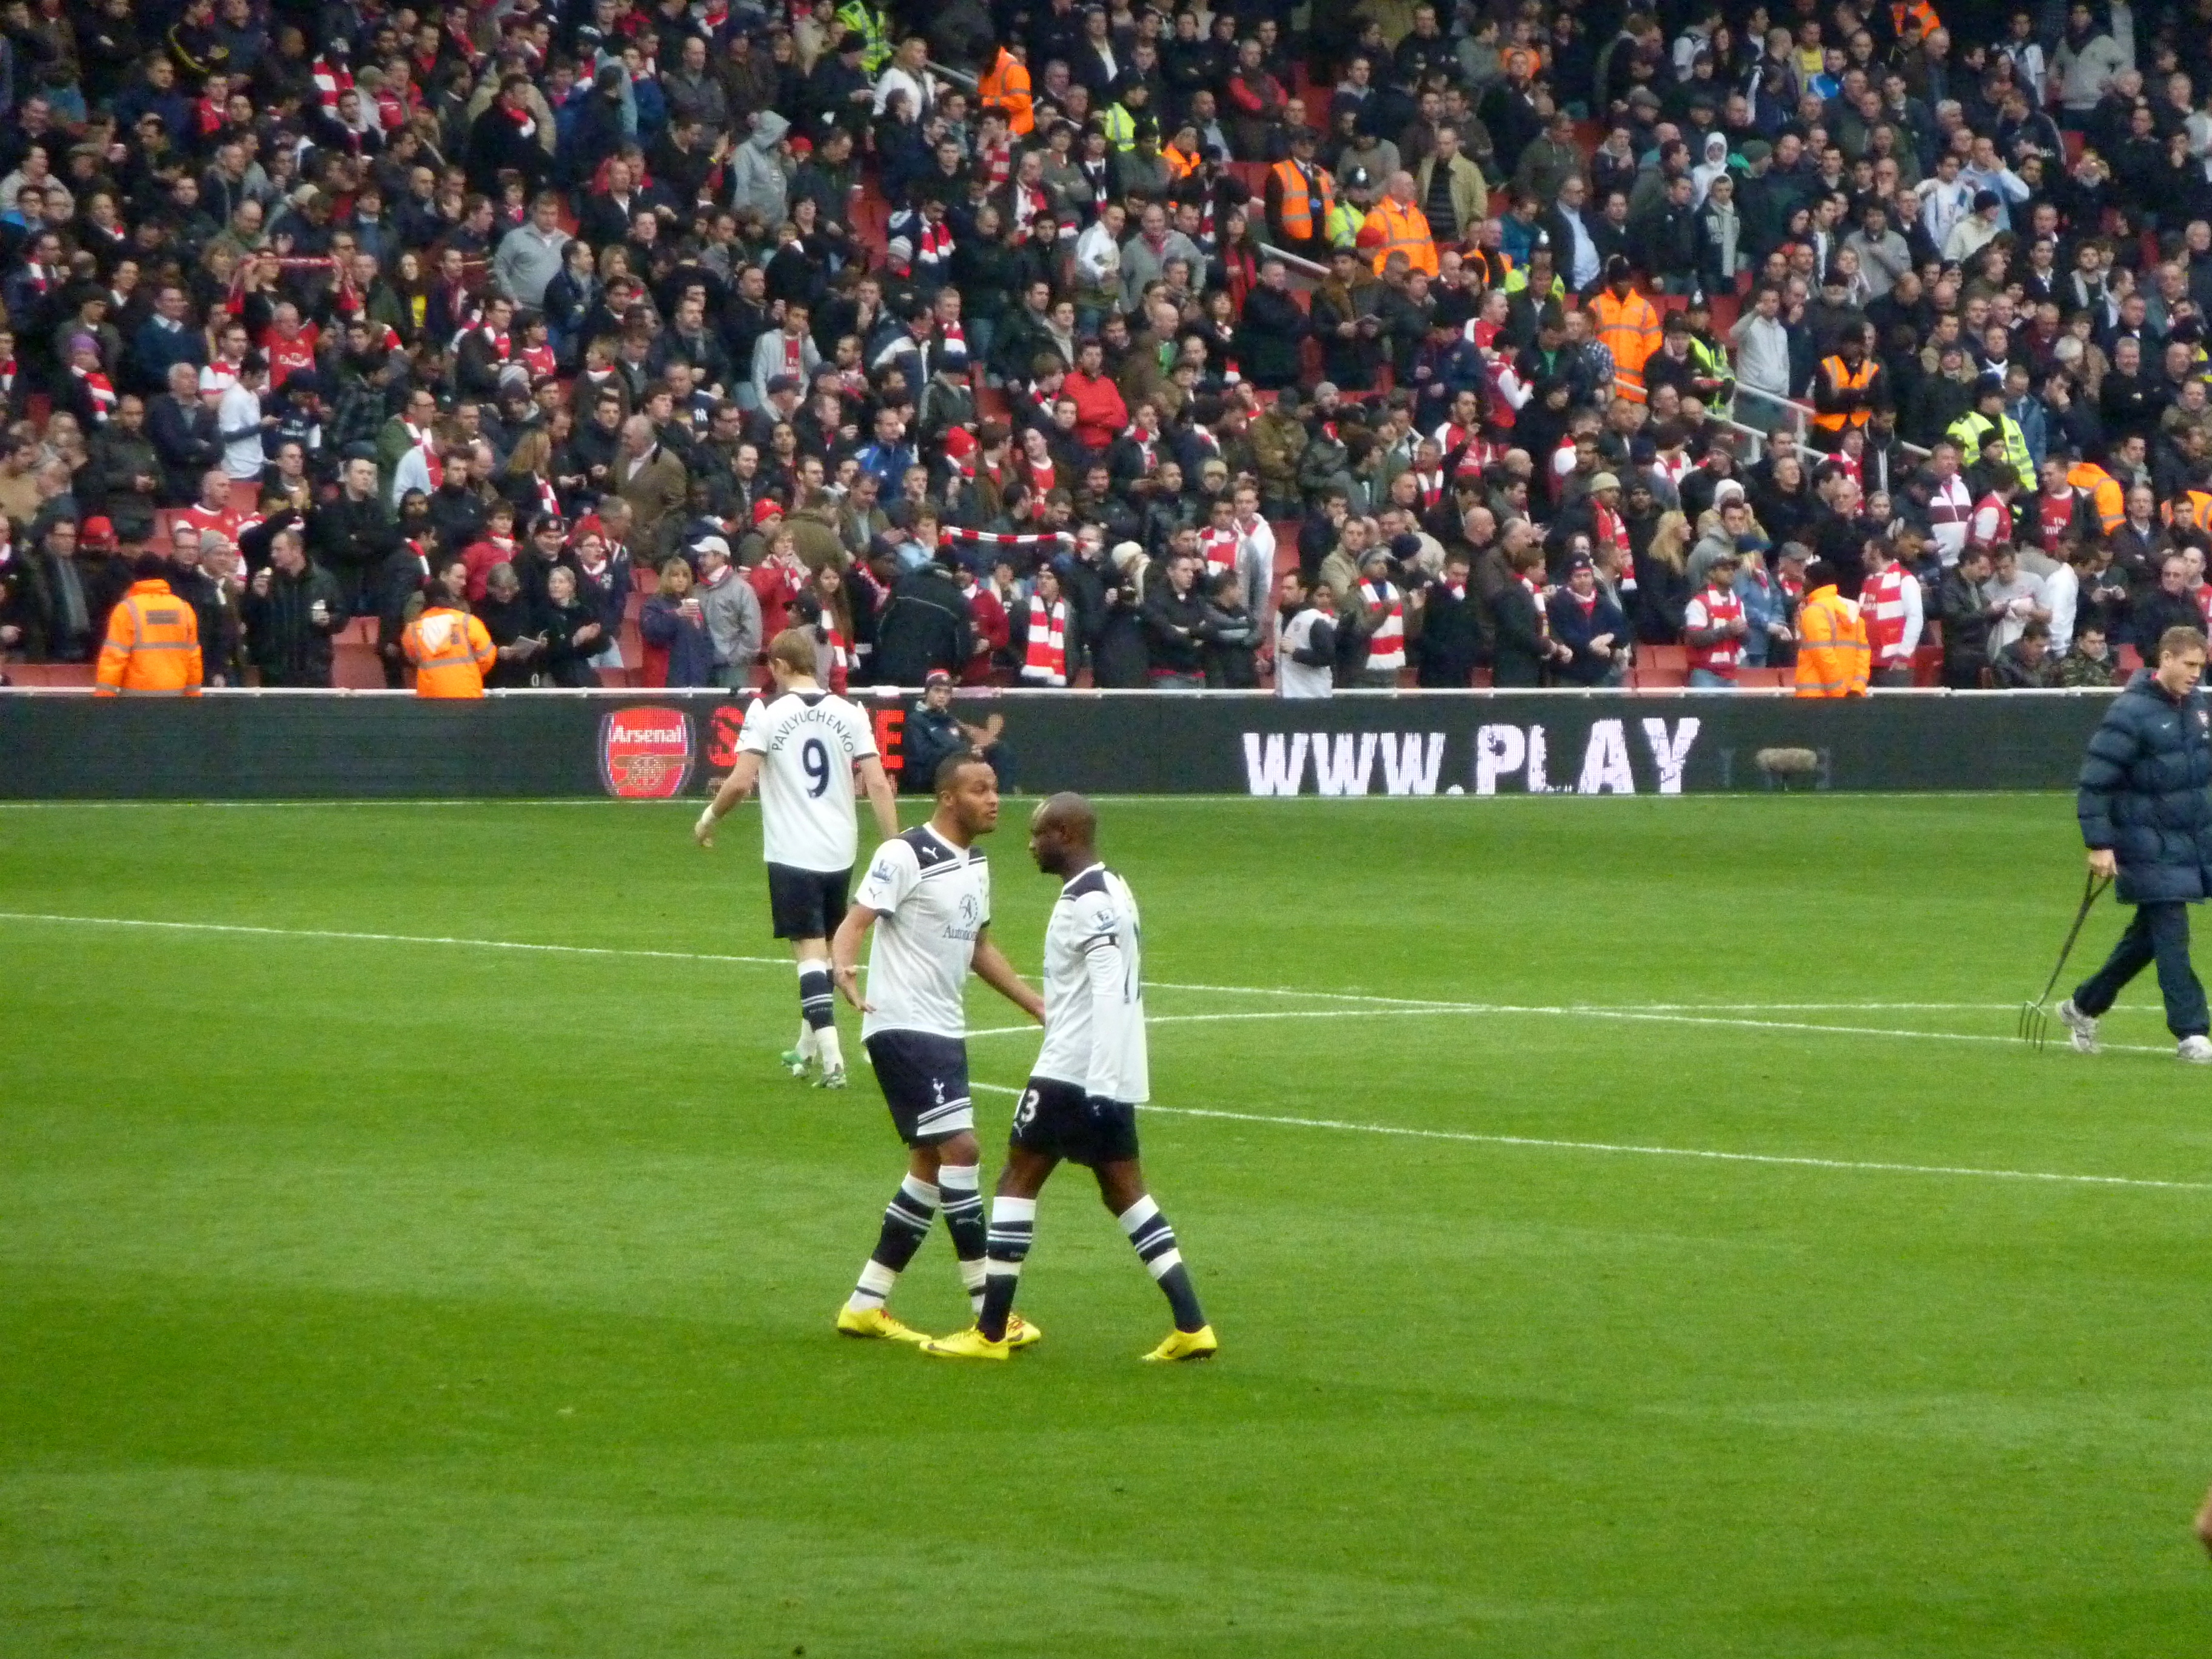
2034, 1018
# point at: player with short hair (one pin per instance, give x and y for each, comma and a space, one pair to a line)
801, 746
1083, 1093
931, 890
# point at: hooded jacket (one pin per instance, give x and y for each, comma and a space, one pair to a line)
756, 175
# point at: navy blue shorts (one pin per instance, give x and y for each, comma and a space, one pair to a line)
924, 1079
1058, 1120
806, 903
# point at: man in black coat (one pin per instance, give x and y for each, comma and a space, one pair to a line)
2147, 821
352, 535
1268, 338
504, 138
1449, 644
185, 436
1175, 625
923, 625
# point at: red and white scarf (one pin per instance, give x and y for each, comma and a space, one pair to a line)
1044, 659
1610, 530
103, 394
1218, 548
331, 79
934, 247
1431, 486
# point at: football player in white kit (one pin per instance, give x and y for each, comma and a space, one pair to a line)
927, 898
1082, 1092
801, 747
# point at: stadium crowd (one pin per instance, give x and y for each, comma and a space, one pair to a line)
1042, 343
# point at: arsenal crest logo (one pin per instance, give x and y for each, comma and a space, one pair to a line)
644, 754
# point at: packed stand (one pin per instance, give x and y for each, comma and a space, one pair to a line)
1047, 345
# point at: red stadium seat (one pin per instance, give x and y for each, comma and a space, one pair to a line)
50, 673
356, 666
245, 495
1757, 678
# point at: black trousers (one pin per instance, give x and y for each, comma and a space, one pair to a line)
2159, 933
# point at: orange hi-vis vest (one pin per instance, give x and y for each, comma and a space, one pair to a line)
1005, 87
2200, 503
1044, 656
2105, 494
1718, 606
1916, 11
1629, 329
1832, 647
1881, 608
1841, 377
450, 651
1405, 230
1300, 215
1386, 645
1179, 165
153, 646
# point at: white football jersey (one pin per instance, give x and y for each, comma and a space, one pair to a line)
932, 901
1094, 990
808, 743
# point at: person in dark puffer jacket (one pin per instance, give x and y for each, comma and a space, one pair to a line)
2147, 818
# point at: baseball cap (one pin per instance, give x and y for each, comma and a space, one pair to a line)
707, 544
936, 676
96, 532
1580, 561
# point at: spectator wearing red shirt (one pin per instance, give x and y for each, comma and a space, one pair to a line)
1100, 413
289, 345
987, 621
497, 547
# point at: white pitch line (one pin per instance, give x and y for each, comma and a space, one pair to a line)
1655, 1014
1705, 1154
384, 939
1267, 1013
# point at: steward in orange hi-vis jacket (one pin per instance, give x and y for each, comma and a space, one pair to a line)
153, 647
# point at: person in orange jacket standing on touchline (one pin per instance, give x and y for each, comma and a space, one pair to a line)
153, 647
1831, 639
449, 647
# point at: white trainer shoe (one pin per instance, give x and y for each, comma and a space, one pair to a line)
2196, 1050
2080, 1028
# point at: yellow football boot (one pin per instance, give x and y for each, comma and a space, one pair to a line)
1201, 1344
876, 1322
1020, 1334
970, 1344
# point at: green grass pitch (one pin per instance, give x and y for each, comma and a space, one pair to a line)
401, 1297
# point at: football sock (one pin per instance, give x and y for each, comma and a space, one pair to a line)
1014, 1222
964, 1219
817, 1001
906, 1222
829, 1050
1155, 1240
805, 1043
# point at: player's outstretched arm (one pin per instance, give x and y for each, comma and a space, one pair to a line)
745, 772
881, 797
845, 954
992, 967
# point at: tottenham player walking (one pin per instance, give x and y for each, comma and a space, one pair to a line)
928, 897
1082, 1092
801, 746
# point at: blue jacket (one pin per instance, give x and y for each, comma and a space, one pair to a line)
2142, 792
